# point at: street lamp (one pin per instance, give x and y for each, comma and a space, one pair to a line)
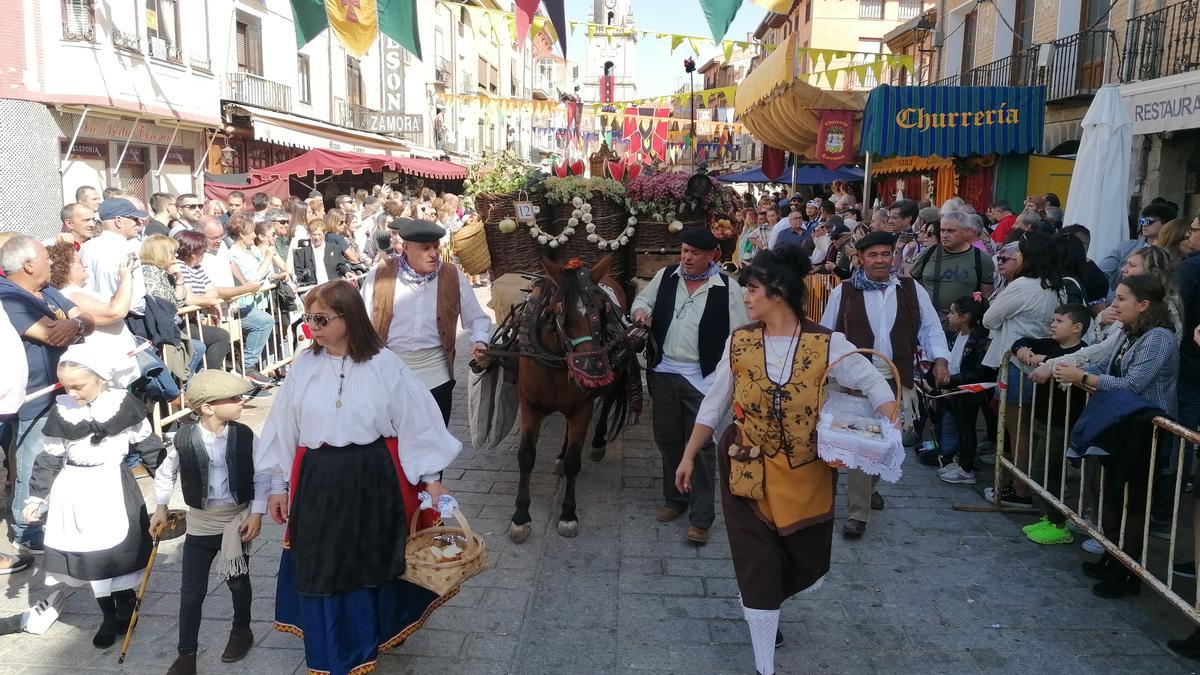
689, 67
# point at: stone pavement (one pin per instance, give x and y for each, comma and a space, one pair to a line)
928, 590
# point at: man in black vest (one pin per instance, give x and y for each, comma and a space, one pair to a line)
226, 499
692, 309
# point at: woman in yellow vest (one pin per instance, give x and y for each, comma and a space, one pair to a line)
777, 494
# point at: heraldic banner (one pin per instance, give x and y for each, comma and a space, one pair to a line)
835, 138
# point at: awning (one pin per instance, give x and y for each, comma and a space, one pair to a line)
218, 186
953, 121
910, 165
781, 109
805, 175
334, 161
303, 132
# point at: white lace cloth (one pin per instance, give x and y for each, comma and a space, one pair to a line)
880, 455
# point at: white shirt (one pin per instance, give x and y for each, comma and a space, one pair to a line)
15, 375
319, 264
414, 316
854, 372
1022, 309
956, 353
681, 346
217, 266
881, 314
103, 256
219, 494
117, 339
380, 397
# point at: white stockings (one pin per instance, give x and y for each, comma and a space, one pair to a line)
763, 623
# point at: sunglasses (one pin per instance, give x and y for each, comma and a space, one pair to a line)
190, 206
1004, 258
1146, 221
319, 320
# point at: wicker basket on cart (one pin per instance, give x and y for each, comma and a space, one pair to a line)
443, 577
610, 219
469, 244
654, 246
515, 251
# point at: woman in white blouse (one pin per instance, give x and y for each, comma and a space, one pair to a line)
356, 435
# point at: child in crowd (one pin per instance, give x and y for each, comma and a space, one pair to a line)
226, 498
97, 528
966, 367
1054, 413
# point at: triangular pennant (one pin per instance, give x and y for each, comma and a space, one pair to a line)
827, 57
770, 48
860, 73
720, 14
906, 61
831, 77
558, 18
676, 40
523, 17
877, 71
694, 43
728, 51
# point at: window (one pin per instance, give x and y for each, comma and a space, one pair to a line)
162, 30
354, 82
808, 11
79, 20
249, 47
909, 9
493, 80
512, 78
483, 73
1023, 26
968, 45
304, 83
870, 9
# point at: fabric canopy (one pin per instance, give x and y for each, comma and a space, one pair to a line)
1100, 181
805, 175
337, 161
953, 121
218, 186
781, 109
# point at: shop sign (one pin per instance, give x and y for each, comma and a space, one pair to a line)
1163, 108
85, 149
119, 130
389, 123
393, 74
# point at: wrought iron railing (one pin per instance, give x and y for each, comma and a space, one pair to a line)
1080, 64
442, 72
202, 65
165, 50
79, 29
259, 91
1162, 43
130, 42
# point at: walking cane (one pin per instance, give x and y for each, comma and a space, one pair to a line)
137, 604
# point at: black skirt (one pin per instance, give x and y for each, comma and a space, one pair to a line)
347, 526
129, 556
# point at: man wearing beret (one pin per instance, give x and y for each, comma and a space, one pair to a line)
877, 310
692, 308
415, 300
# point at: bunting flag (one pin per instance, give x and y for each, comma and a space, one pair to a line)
720, 14
524, 17
775, 6
357, 24
558, 18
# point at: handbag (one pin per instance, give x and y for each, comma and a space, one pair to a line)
285, 297
852, 433
747, 470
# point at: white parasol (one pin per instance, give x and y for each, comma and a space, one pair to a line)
1099, 194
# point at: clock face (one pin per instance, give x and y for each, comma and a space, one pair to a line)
611, 4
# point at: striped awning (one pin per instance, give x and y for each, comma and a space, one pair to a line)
953, 121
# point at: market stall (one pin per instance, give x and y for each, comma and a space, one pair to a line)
316, 169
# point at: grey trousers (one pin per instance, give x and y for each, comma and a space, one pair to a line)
859, 488
676, 403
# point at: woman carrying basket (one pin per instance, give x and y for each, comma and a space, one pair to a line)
777, 494
352, 429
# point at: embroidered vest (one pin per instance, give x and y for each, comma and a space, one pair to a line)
714, 322
852, 321
781, 419
449, 303
193, 464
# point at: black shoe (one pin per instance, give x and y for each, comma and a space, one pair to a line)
185, 664
1187, 570
930, 458
1102, 569
778, 638
1008, 497
1189, 647
241, 639
107, 635
1118, 587
877, 502
124, 601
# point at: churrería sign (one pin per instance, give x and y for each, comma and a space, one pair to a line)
953, 121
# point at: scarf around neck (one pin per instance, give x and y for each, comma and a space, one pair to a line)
411, 276
863, 283
703, 276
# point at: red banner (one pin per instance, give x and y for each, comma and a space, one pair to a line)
835, 138
645, 132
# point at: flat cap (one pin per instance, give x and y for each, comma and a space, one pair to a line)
876, 239
701, 238
421, 231
211, 385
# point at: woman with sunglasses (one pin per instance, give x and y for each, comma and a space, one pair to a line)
349, 439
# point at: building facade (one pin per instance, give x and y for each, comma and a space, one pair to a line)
610, 69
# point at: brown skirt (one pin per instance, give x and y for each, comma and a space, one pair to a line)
771, 568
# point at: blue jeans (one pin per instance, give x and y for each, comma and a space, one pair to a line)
256, 332
197, 357
949, 431
28, 445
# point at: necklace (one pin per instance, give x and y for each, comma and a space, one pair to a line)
341, 383
779, 360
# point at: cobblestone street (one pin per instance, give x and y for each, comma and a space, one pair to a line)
928, 590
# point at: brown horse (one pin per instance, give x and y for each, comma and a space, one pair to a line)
570, 340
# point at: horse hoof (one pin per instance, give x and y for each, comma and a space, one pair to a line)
518, 534
598, 453
558, 468
568, 528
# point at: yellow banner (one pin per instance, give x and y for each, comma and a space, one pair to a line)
355, 25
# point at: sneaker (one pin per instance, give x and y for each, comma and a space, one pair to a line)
957, 477
11, 564
1035, 526
1050, 534
30, 547
949, 468
1187, 570
40, 617
1093, 546
258, 378
1008, 497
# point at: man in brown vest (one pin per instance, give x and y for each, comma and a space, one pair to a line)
415, 300
877, 310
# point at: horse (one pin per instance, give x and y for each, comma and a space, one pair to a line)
575, 349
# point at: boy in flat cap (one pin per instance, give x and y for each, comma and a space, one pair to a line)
226, 498
691, 308
416, 298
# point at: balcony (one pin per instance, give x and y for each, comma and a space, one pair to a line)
350, 114
1162, 43
1080, 64
544, 87
130, 42
1018, 70
164, 50
79, 29
259, 91
443, 75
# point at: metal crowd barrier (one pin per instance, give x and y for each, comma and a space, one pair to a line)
1081, 493
819, 288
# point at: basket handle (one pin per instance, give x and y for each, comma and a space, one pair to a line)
458, 516
866, 352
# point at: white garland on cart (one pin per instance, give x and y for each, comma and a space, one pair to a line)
583, 214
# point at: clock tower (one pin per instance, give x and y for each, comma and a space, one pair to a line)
611, 67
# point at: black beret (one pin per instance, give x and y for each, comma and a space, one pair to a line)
876, 239
421, 231
701, 238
